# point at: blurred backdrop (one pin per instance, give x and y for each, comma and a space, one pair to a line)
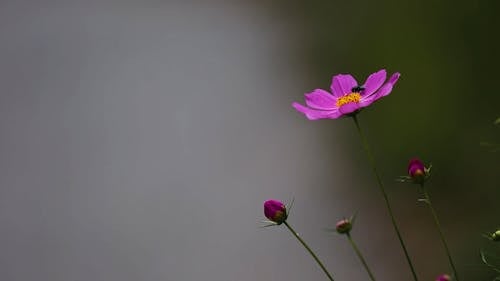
139, 139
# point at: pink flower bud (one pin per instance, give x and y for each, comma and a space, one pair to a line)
275, 211
343, 226
443, 277
417, 171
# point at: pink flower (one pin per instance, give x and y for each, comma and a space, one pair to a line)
443, 277
275, 211
347, 97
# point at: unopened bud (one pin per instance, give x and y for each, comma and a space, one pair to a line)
275, 211
495, 236
417, 171
344, 226
443, 277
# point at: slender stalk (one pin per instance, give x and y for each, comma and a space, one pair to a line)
438, 226
309, 250
384, 193
483, 258
358, 252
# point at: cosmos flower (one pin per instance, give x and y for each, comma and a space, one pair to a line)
275, 211
347, 97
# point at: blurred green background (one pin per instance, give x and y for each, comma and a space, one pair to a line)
442, 107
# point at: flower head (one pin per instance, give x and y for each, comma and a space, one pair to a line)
344, 226
275, 211
417, 171
443, 277
347, 97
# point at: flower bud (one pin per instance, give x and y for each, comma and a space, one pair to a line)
495, 236
417, 171
344, 226
443, 277
275, 211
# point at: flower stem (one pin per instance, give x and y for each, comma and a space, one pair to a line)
358, 252
438, 226
309, 250
384, 193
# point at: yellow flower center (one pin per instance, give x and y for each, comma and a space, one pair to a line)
351, 97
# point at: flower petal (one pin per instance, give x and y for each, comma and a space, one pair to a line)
367, 100
387, 88
394, 78
374, 81
349, 108
320, 99
384, 91
313, 114
342, 84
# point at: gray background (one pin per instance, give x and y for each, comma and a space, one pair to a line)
139, 143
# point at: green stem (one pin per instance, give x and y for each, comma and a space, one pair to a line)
384, 193
358, 252
483, 258
438, 225
309, 250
